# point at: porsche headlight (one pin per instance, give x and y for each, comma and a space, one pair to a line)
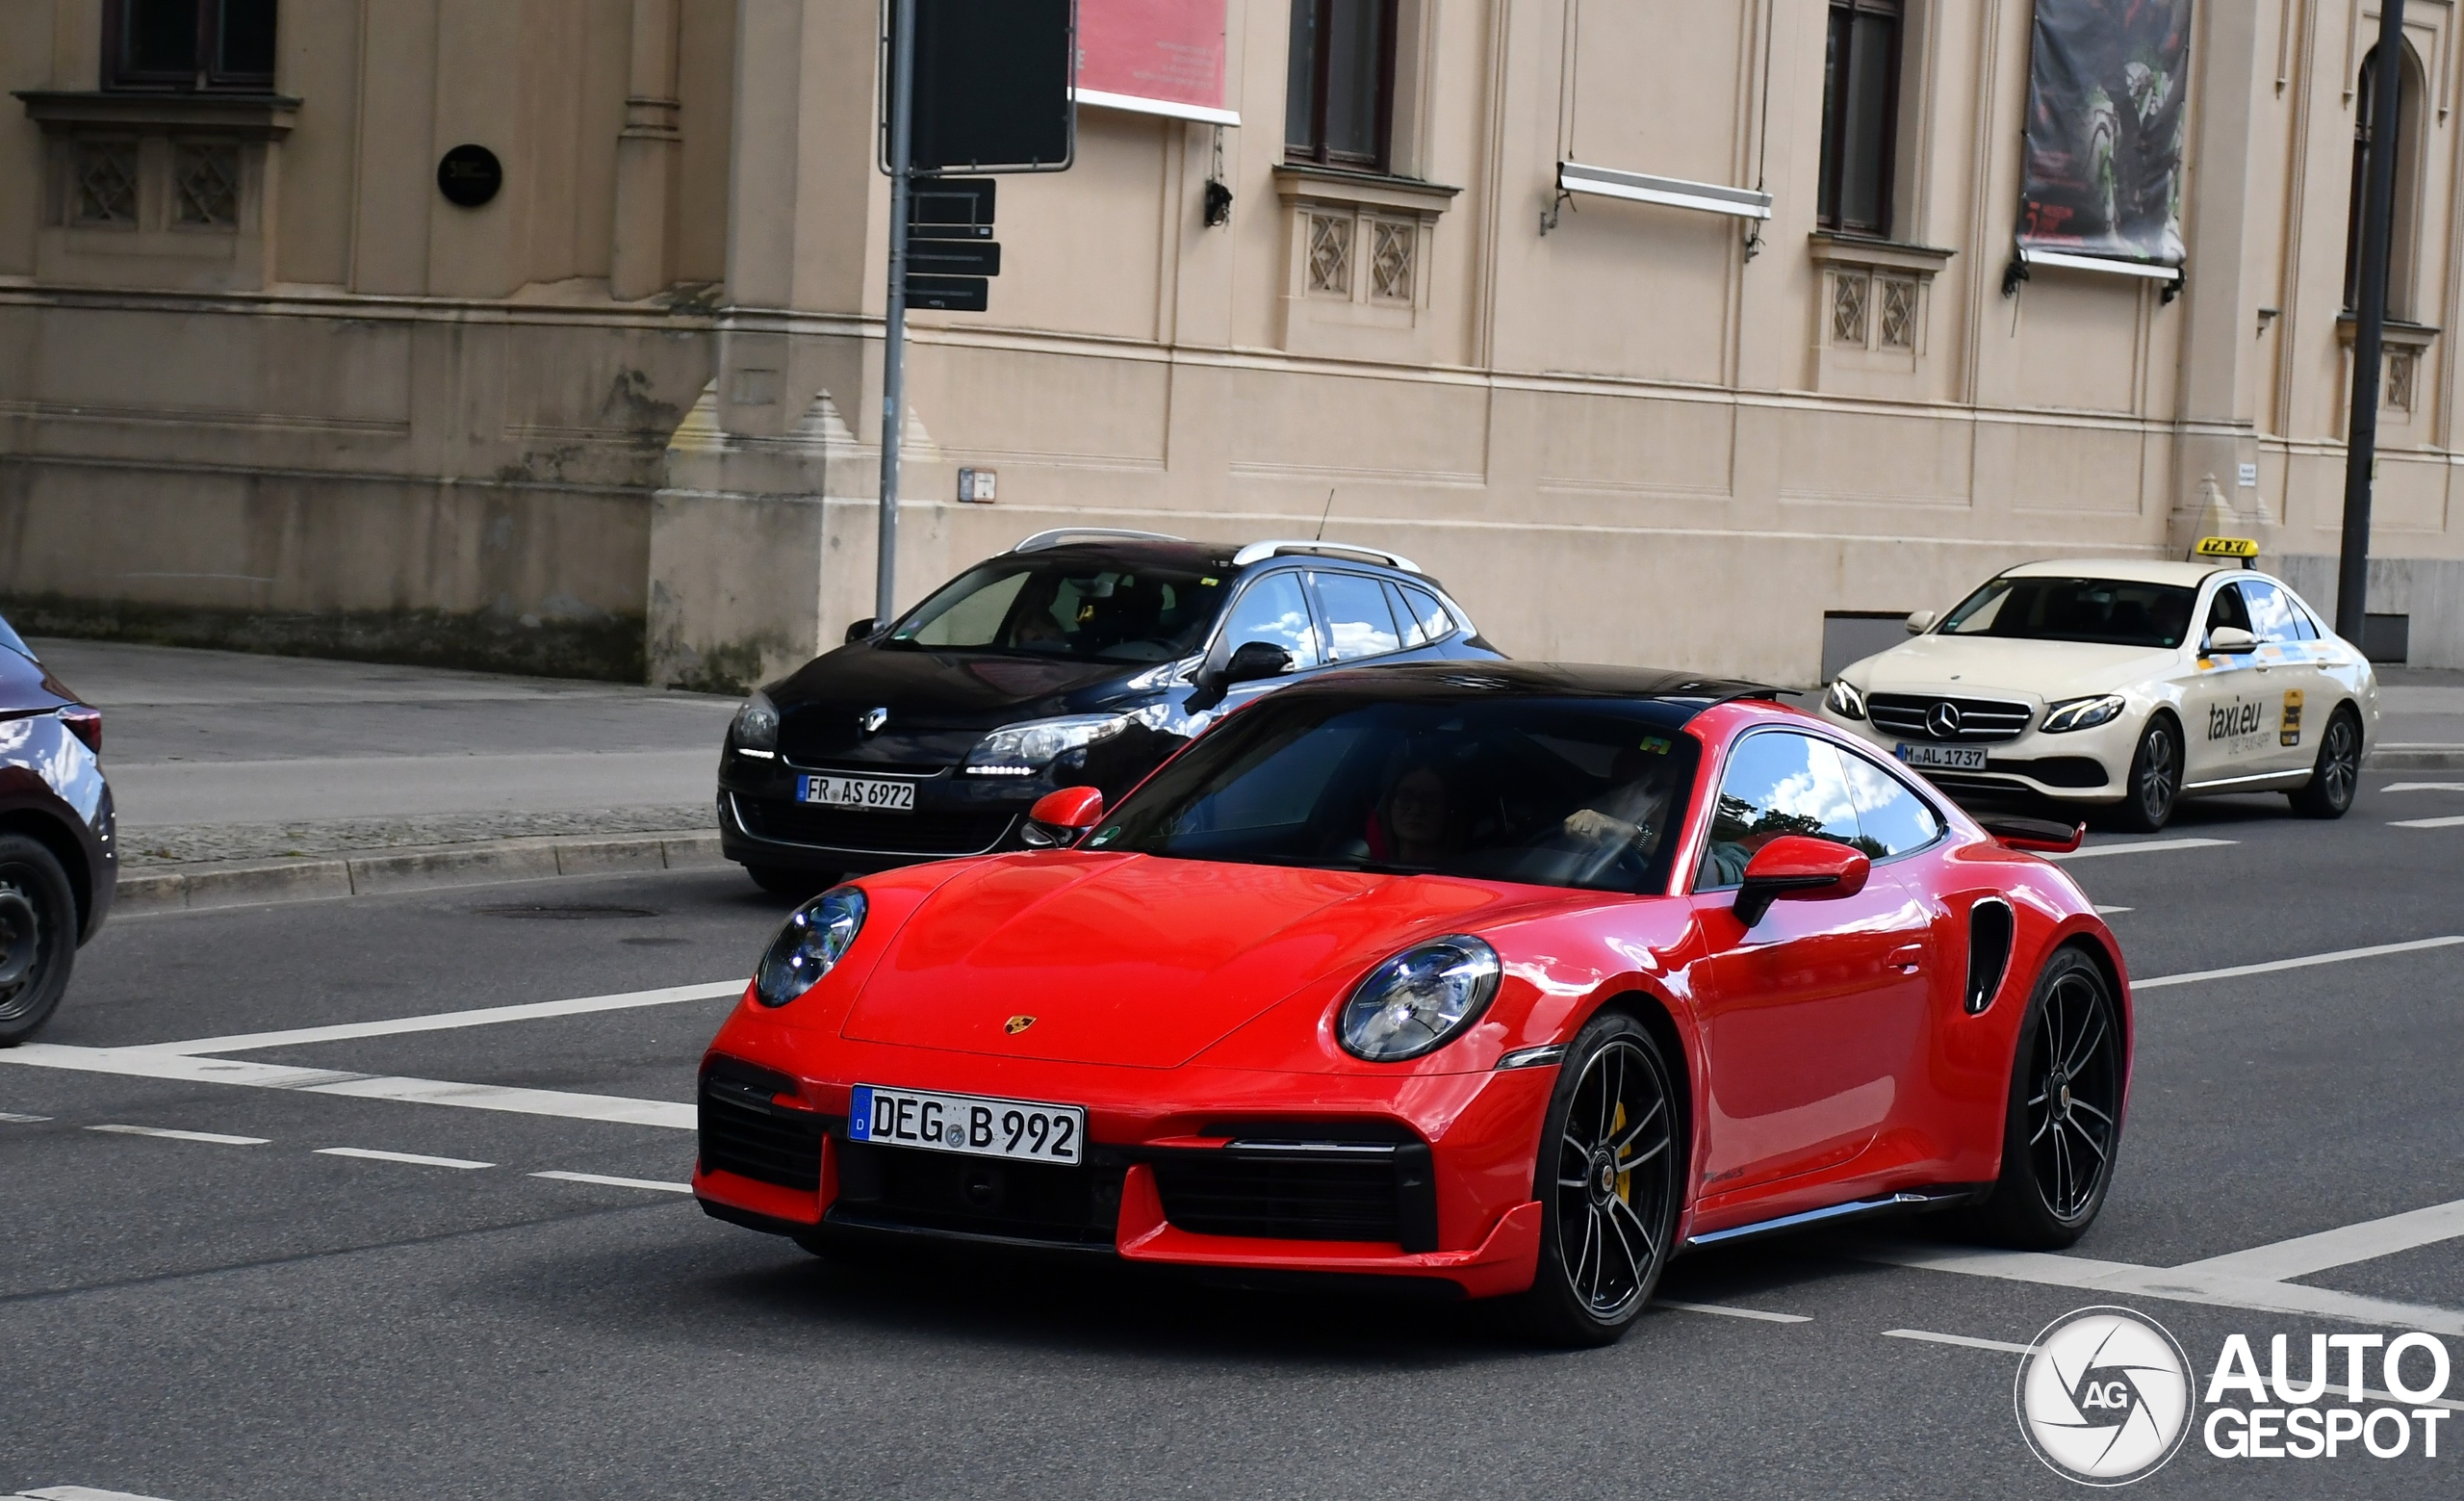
1844, 700
757, 724
2082, 713
1414, 1002
1022, 750
812, 942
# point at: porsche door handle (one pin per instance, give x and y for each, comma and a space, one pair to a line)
1908, 959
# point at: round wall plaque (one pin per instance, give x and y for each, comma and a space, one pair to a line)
469, 175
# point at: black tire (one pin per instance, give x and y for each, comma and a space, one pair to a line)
789, 881
2336, 776
37, 935
2155, 785
1604, 1233
2064, 1125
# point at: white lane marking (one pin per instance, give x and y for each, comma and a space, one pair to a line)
82, 1493
1968, 1341
617, 1182
2428, 823
145, 1063
2141, 846
2107, 911
447, 1020
210, 1138
15, 1119
1725, 1312
2305, 1254
2424, 787
2049, 1270
2271, 966
412, 1157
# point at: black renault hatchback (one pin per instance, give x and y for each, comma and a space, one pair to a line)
59, 859
1079, 658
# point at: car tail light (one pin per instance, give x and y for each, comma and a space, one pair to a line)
87, 724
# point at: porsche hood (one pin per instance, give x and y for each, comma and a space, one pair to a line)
1131, 960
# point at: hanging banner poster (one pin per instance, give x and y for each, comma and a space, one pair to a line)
2102, 173
1155, 57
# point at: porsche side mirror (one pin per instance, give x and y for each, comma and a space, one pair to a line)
2037, 836
2230, 641
1921, 621
862, 629
1799, 867
1058, 819
1252, 661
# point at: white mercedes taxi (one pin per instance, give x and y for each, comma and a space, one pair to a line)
2124, 686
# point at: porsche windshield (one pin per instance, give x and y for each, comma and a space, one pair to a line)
2108, 611
1053, 608
1574, 793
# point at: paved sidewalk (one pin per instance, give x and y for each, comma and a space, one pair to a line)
217, 757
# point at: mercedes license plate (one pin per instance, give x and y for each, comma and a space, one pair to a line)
871, 794
1944, 757
969, 1124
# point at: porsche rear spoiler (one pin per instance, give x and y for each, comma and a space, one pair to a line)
2037, 836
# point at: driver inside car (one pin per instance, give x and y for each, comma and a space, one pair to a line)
1631, 812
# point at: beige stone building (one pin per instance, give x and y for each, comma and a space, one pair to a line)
263, 383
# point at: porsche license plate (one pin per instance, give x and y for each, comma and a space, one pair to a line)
1944, 757
969, 1124
872, 794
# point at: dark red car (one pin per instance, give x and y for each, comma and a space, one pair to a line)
1517, 980
59, 857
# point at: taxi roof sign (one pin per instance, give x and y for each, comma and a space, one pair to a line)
2244, 548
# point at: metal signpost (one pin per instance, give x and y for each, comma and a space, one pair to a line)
2370, 323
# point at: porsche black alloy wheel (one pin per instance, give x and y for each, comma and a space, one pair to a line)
2065, 1120
2337, 774
2155, 779
1607, 1179
37, 935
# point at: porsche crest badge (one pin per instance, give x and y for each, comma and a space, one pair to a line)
1016, 1025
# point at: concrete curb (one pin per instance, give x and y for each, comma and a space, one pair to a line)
245, 882
2415, 758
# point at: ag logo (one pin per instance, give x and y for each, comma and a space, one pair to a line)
2105, 1396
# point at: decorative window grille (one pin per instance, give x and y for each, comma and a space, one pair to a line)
1848, 307
1898, 322
2402, 365
106, 183
1330, 255
1389, 260
205, 183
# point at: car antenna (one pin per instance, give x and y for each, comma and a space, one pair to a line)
1323, 514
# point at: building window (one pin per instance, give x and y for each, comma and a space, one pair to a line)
1860, 115
188, 44
1340, 87
2400, 241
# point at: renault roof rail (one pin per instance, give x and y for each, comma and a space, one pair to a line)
1060, 534
1260, 552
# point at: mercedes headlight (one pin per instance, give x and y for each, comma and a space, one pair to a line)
1844, 700
757, 724
2082, 713
1420, 999
811, 944
1022, 750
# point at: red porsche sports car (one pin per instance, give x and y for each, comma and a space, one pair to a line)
1513, 979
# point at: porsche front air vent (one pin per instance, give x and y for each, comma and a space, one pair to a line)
745, 1134
1304, 1191
1988, 951
1965, 721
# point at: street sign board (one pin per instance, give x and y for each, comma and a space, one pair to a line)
992, 86
949, 294
953, 257
950, 207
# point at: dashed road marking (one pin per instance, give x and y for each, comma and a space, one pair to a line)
1725, 1312
77, 1493
2304, 1255
414, 1158
2428, 823
2271, 966
2424, 787
210, 1138
15, 1119
1968, 1341
606, 1181
2179, 1284
2141, 847
2107, 911
450, 1020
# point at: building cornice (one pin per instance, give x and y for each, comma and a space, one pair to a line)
260, 117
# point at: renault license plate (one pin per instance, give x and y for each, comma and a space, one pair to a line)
870, 795
969, 1124
1944, 757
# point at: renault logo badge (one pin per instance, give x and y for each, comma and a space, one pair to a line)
873, 719
1942, 721
1016, 1025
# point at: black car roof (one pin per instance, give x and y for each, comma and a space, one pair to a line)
1686, 691
1173, 553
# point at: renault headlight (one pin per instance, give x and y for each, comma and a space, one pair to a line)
1022, 750
2082, 713
809, 946
757, 725
1414, 1002
1844, 700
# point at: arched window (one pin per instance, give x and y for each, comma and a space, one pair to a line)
2404, 233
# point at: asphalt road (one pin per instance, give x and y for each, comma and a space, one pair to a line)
255, 1317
